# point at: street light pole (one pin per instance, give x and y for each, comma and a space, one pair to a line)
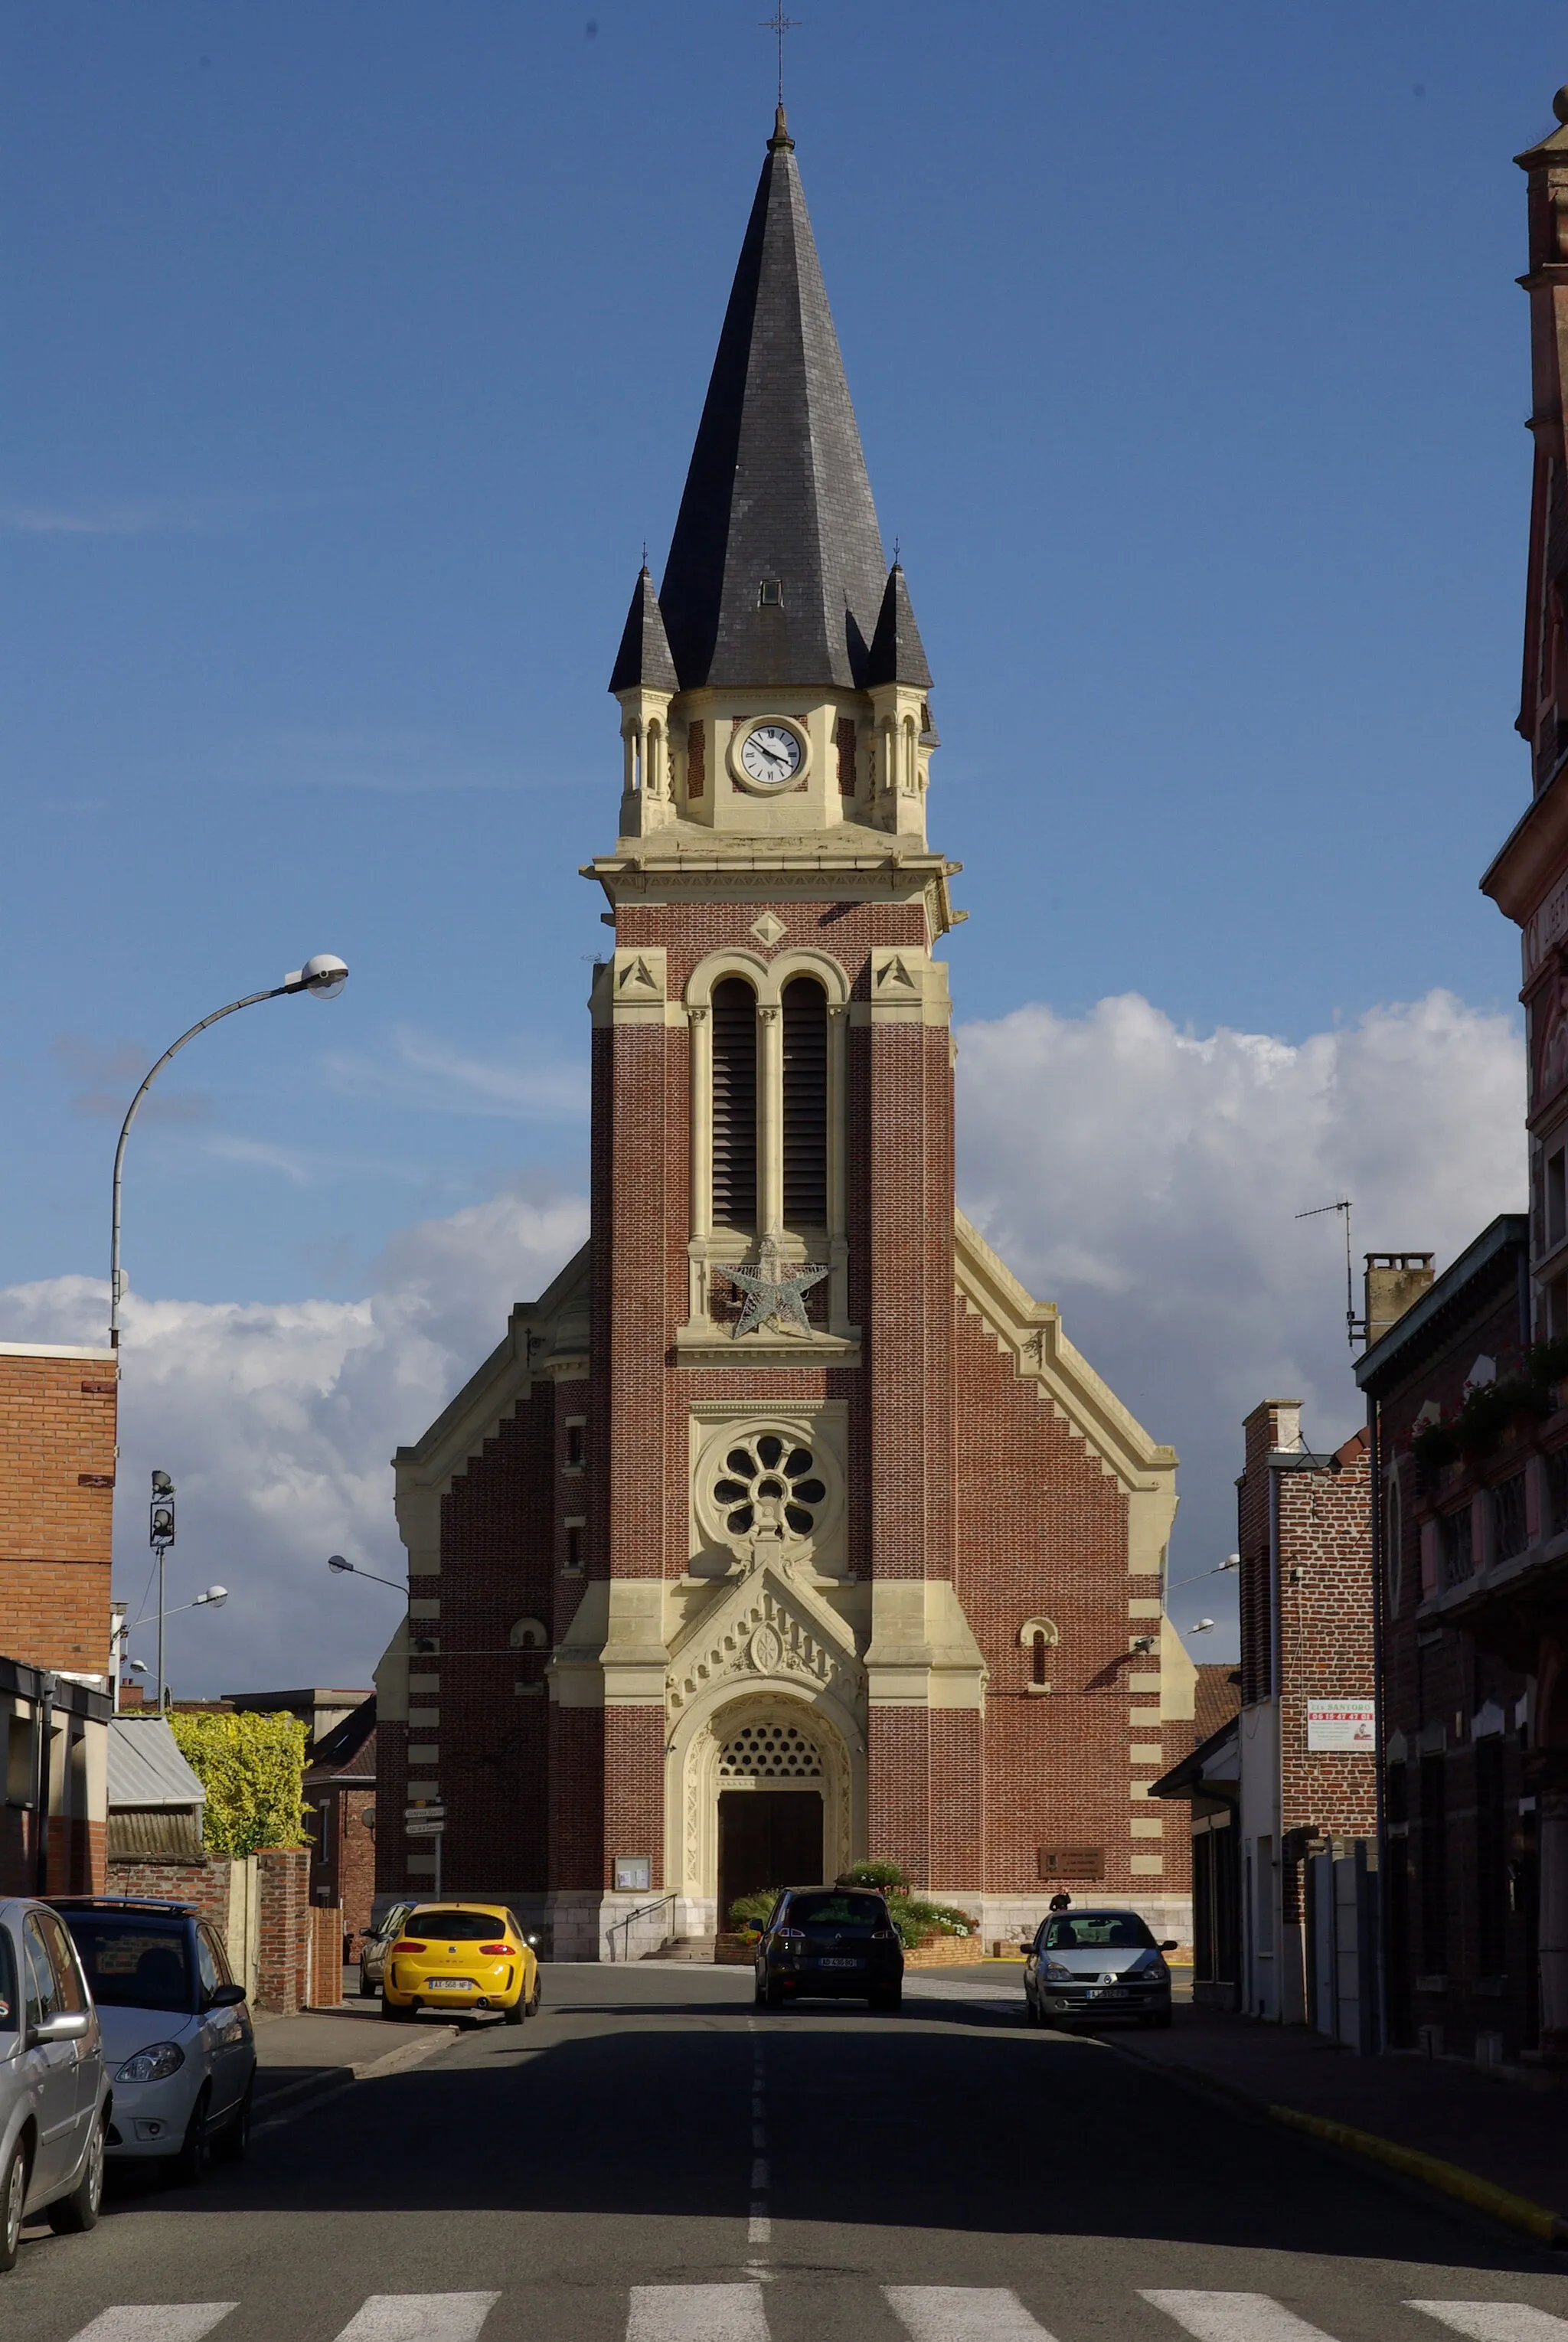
325, 976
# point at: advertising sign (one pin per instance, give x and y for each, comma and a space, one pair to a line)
634, 1873
1341, 1724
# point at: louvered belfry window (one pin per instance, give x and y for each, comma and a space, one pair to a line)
734, 1104
804, 1104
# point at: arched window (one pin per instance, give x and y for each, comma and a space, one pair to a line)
804, 1104
734, 1093
1039, 1647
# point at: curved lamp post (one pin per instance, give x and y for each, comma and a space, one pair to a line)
325, 976
351, 1570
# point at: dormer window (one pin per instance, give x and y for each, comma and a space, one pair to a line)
770, 594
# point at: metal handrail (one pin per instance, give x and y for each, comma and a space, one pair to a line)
641, 1913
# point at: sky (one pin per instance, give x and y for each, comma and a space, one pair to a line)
355, 353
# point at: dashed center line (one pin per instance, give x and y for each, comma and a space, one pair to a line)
759, 2224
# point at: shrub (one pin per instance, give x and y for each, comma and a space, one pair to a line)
916, 1919
253, 1770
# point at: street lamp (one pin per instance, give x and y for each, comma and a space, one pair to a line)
213, 1599
325, 974
335, 1561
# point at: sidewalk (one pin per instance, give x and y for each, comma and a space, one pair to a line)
1503, 2137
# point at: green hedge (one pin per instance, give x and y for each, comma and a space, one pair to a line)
253, 1770
916, 1921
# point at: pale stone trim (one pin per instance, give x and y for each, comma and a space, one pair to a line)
57, 1350
922, 1652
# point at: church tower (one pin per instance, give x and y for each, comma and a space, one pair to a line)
818, 1539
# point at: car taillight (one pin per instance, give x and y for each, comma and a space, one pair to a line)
407, 1944
789, 1934
882, 1935
497, 1951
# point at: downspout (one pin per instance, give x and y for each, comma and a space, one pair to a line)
45, 1697
1378, 1579
1274, 1886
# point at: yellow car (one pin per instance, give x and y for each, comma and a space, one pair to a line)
460, 1955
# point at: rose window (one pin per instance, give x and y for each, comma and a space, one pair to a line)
769, 1752
766, 1481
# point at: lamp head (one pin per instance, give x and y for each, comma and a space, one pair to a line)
162, 1484
1203, 1626
323, 974
137, 1666
213, 1599
335, 1561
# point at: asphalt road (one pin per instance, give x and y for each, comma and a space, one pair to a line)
653, 2160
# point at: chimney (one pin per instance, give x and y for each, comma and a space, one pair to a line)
1395, 1282
131, 1692
1276, 1423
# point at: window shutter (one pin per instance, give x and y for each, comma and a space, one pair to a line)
734, 1104
804, 1104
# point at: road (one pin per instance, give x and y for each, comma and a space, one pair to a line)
653, 2160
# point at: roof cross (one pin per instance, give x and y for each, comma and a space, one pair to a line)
780, 24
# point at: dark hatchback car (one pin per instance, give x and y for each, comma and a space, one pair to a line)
830, 1943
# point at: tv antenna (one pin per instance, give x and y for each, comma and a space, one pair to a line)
1353, 1323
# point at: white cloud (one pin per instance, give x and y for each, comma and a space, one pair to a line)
426, 1071
278, 1422
1147, 1181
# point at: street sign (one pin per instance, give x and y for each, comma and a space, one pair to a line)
424, 1829
425, 1813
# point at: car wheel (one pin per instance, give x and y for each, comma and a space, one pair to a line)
516, 2011
75, 2214
188, 2168
772, 1994
233, 2143
366, 1990
391, 2011
13, 2201
536, 1994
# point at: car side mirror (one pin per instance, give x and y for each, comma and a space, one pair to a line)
70, 2024
226, 1995
1171, 1945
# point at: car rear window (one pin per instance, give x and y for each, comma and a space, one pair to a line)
457, 1927
859, 1912
1099, 1931
134, 1963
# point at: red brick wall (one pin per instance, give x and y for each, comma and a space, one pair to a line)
57, 1417
205, 1885
284, 1878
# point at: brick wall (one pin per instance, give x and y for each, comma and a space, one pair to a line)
286, 1926
57, 1431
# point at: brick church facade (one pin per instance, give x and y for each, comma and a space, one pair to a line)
785, 1528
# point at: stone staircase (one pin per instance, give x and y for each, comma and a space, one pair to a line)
722, 1951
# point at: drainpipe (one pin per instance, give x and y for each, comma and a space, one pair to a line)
46, 1704
1379, 1899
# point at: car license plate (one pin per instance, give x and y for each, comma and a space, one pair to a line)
449, 1984
1107, 1992
841, 1963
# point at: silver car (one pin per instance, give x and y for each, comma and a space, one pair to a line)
1087, 1967
177, 2037
375, 1941
53, 2085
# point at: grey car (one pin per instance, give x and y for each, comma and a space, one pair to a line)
53, 2082
1089, 1967
374, 1942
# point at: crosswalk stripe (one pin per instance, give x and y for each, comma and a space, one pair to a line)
419, 2318
1234, 2316
962, 2313
1494, 2321
696, 2312
155, 2321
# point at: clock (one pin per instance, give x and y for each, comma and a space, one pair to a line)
771, 755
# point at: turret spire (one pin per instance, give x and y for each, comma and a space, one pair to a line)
776, 574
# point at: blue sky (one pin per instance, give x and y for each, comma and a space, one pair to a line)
355, 349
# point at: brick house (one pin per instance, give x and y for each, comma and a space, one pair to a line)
1462, 1714
786, 1526
57, 1433
1307, 1772
340, 1791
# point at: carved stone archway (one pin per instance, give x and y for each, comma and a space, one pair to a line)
722, 1744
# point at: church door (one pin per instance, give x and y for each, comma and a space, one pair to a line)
767, 1837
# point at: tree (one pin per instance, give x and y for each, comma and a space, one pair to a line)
253, 1770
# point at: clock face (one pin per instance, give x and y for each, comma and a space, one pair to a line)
771, 755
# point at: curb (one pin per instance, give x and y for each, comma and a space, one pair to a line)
1548, 2227
340, 2078
1536, 2220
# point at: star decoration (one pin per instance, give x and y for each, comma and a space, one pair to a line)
772, 1291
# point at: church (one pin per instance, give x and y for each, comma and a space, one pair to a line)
785, 1528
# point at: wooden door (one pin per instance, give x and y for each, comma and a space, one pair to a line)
767, 1837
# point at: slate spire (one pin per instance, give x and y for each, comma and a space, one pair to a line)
897, 654
643, 656
775, 569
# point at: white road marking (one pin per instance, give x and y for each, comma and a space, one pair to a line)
1234, 2317
760, 2181
697, 2313
155, 2321
962, 2313
419, 2318
1494, 2321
